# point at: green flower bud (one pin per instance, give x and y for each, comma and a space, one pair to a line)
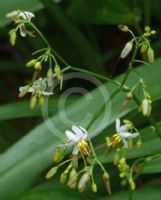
123, 28
132, 184
94, 187
33, 101
107, 182
64, 175
127, 49
12, 14
40, 100
13, 36
150, 54
58, 72
31, 63
63, 178
58, 156
51, 172
72, 182
144, 47
24, 90
146, 107
74, 161
138, 143
50, 79
37, 65
147, 28
83, 181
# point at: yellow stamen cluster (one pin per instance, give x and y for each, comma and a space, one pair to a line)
84, 147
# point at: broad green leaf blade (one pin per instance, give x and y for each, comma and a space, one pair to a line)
9, 111
153, 166
101, 12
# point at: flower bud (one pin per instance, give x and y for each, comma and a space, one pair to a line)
150, 54
58, 72
138, 143
12, 14
146, 107
13, 36
126, 50
144, 48
83, 181
33, 101
123, 28
58, 156
50, 80
74, 161
23, 90
72, 182
107, 182
40, 100
94, 187
132, 184
31, 63
37, 65
51, 172
64, 175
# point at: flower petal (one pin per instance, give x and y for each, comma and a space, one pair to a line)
22, 33
75, 150
124, 128
117, 125
71, 136
128, 135
125, 143
77, 131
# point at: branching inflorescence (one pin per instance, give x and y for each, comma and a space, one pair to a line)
78, 138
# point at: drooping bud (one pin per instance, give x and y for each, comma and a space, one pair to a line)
33, 101
94, 187
50, 80
31, 63
144, 48
58, 72
40, 99
12, 14
72, 182
126, 50
58, 155
123, 28
83, 181
37, 65
150, 54
138, 143
13, 36
74, 161
51, 172
107, 182
64, 175
132, 184
23, 90
146, 107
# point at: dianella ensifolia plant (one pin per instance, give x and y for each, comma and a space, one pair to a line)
125, 137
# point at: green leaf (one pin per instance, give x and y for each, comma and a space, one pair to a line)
101, 12
153, 166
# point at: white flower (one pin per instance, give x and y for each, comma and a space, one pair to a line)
76, 138
39, 87
122, 131
26, 15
